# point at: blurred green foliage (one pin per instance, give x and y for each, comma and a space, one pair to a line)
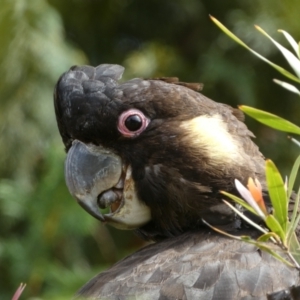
46, 240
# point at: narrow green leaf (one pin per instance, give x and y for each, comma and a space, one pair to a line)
264, 247
293, 227
270, 119
265, 237
293, 224
221, 231
275, 227
277, 194
291, 239
240, 42
276, 255
249, 221
267, 248
295, 141
240, 201
294, 247
291, 40
246, 238
229, 33
293, 61
293, 176
287, 86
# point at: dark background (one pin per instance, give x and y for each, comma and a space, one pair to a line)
46, 239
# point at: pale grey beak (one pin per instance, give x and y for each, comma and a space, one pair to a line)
97, 178
89, 171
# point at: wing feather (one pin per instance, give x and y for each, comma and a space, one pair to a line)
193, 266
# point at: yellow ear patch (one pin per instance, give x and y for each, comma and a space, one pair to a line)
210, 133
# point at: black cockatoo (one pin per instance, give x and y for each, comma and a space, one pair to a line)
156, 153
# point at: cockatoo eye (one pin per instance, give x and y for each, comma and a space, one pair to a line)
132, 122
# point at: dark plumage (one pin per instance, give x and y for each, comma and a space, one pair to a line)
182, 150
178, 174
194, 266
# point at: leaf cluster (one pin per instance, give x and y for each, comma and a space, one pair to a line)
281, 228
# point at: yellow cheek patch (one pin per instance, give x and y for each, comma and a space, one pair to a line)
210, 133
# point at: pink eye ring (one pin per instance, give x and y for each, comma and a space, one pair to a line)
132, 123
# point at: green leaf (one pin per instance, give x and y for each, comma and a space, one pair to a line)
278, 197
287, 86
293, 223
239, 201
293, 176
249, 221
265, 237
289, 56
275, 254
275, 227
291, 40
293, 246
293, 227
240, 42
267, 248
294, 141
291, 239
270, 119
221, 231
